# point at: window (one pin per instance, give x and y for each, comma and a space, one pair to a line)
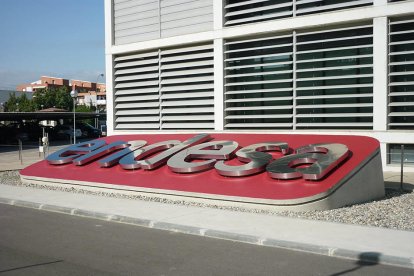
251, 11
401, 74
314, 79
394, 154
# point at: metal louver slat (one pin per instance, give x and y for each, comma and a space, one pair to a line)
347, 4
401, 74
195, 110
250, 100
258, 18
195, 125
136, 70
121, 112
137, 126
137, 119
238, 4
259, 116
187, 102
351, 105
166, 118
135, 91
186, 95
136, 98
259, 9
330, 115
259, 125
135, 63
248, 108
137, 77
336, 125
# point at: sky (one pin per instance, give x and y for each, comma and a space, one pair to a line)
59, 38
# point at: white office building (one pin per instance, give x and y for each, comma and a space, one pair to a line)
263, 66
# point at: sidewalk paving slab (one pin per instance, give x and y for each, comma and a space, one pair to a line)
365, 243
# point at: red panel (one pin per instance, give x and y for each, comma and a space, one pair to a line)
210, 182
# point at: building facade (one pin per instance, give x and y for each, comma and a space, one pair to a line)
264, 66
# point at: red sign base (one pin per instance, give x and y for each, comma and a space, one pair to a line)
357, 179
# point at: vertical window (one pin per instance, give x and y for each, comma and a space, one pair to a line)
394, 154
250, 11
334, 78
401, 74
258, 83
313, 79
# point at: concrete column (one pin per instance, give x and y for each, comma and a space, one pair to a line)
218, 14
218, 84
380, 62
109, 67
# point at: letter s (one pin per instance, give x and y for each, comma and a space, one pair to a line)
254, 156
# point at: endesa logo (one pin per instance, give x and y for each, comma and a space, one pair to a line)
132, 155
272, 169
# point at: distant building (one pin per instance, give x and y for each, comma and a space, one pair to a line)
90, 93
92, 98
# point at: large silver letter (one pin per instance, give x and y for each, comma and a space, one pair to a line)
113, 159
254, 156
323, 157
212, 150
131, 161
67, 154
93, 155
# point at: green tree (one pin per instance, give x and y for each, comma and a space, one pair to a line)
58, 97
85, 108
21, 104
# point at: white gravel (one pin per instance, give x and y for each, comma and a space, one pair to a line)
395, 211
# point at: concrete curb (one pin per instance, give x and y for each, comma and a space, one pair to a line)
370, 257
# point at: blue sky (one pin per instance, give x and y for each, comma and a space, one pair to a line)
62, 38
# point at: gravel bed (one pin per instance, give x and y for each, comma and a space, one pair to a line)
395, 211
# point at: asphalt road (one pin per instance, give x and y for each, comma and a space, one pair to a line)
34, 242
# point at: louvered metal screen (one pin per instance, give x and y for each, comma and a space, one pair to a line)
137, 98
250, 11
320, 79
334, 80
165, 89
258, 85
187, 88
142, 20
401, 74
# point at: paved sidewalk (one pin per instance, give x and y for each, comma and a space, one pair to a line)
9, 156
333, 239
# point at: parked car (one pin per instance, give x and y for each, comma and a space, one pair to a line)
65, 132
88, 130
15, 132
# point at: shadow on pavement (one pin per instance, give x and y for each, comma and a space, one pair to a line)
29, 266
364, 259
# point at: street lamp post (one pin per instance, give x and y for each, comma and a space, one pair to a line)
74, 94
